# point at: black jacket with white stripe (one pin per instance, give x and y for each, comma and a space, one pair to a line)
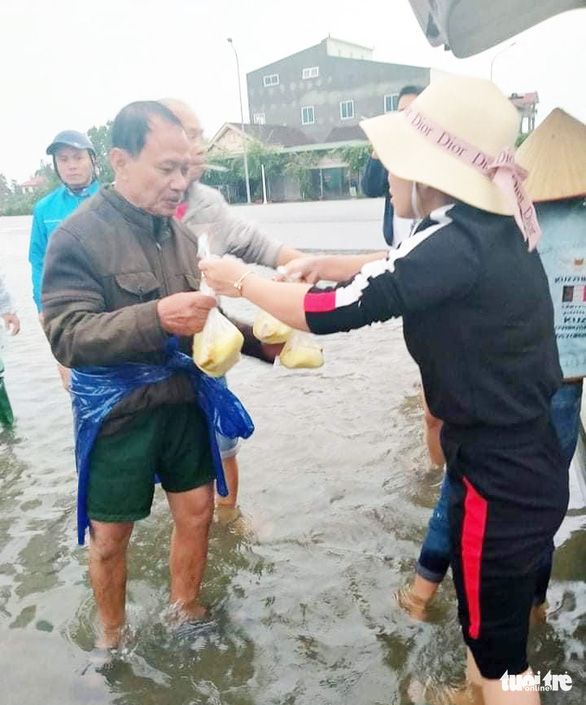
477, 316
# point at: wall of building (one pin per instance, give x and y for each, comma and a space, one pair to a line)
340, 79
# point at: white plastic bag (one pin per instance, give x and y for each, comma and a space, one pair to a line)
301, 351
269, 329
217, 347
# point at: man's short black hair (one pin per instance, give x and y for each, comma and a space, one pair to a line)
410, 90
133, 123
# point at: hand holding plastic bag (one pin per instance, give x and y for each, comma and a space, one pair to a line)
217, 347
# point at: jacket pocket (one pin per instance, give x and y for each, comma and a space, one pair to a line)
138, 287
192, 282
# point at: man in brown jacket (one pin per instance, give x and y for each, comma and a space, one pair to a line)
121, 277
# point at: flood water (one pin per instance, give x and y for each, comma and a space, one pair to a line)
335, 494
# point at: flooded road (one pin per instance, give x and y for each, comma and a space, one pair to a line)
335, 494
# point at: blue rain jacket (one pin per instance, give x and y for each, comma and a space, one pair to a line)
96, 390
49, 212
563, 252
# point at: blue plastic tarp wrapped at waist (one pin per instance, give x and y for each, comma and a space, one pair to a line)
96, 390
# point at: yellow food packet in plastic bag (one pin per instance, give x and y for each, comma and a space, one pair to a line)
301, 351
269, 329
217, 347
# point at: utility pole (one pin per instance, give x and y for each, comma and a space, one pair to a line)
242, 123
512, 44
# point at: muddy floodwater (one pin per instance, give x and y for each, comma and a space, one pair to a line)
335, 495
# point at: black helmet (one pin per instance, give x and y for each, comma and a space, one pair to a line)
71, 138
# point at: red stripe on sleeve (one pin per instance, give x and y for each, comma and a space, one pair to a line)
473, 531
320, 302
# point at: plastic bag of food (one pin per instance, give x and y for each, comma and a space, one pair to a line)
217, 347
269, 329
301, 351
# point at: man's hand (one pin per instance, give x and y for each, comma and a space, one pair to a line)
184, 314
11, 320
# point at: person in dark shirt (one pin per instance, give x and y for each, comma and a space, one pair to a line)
478, 320
375, 182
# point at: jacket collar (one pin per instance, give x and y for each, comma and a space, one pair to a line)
152, 224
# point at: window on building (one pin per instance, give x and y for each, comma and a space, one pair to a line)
271, 80
307, 115
346, 109
312, 72
259, 119
391, 102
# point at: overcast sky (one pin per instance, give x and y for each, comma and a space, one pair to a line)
73, 64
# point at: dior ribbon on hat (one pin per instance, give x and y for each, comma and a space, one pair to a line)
502, 169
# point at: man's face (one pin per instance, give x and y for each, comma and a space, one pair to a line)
156, 179
74, 166
197, 151
405, 101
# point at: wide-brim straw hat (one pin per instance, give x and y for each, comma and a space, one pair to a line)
555, 157
472, 109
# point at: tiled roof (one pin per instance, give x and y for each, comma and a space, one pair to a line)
276, 135
525, 99
34, 182
346, 133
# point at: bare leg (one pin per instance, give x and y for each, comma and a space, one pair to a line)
424, 589
472, 669
65, 375
192, 513
492, 690
433, 427
413, 597
108, 545
231, 473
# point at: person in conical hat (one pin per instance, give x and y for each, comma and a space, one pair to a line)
555, 156
478, 320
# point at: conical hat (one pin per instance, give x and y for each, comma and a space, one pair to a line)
555, 157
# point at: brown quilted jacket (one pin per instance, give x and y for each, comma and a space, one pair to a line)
106, 267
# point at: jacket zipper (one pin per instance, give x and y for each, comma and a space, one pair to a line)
164, 277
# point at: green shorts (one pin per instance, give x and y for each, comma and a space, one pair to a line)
170, 441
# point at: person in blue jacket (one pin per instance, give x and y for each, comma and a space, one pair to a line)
74, 162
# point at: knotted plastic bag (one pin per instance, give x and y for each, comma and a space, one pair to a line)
269, 329
301, 351
217, 347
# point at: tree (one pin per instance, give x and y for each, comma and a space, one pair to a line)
355, 156
300, 164
5, 192
100, 137
47, 171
